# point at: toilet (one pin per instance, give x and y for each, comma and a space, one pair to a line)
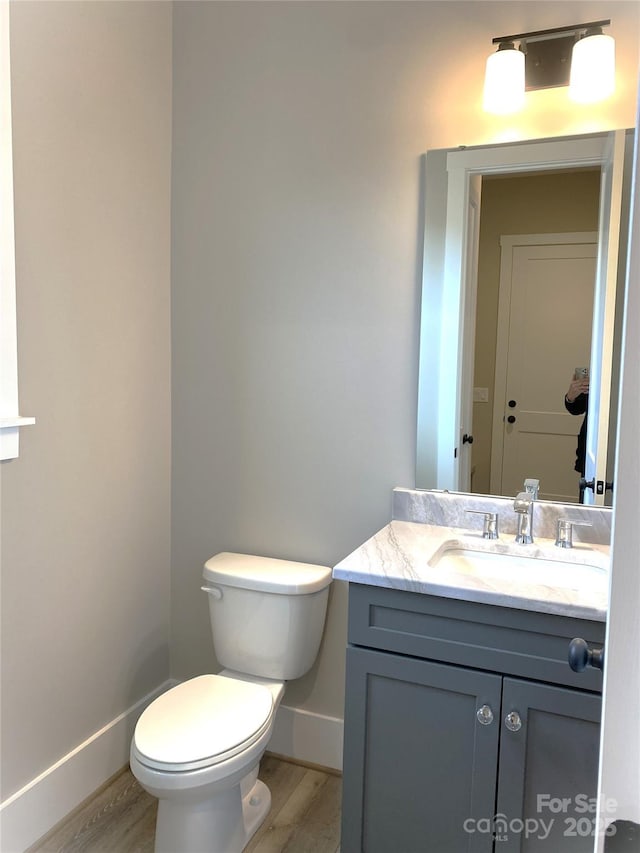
197, 747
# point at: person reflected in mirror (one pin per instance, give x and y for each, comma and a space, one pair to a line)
576, 402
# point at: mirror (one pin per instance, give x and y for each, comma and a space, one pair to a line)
550, 200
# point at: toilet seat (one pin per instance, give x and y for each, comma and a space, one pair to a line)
202, 722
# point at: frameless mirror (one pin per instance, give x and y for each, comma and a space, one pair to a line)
524, 269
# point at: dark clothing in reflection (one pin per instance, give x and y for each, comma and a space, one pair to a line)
579, 406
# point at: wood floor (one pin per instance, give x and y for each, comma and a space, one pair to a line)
120, 818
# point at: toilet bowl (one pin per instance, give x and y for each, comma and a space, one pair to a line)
197, 747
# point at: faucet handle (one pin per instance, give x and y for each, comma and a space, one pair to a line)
490, 527
564, 534
532, 487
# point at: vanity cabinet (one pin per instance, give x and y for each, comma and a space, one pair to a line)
459, 712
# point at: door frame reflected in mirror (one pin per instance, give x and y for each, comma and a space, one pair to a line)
446, 353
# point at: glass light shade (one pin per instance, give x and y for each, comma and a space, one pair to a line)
593, 68
504, 81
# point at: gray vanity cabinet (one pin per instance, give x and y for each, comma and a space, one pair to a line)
548, 768
423, 768
457, 712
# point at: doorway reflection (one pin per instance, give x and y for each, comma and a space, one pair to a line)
529, 204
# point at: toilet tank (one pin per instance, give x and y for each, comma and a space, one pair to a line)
267, 615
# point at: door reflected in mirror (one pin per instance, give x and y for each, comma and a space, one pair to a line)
536, 272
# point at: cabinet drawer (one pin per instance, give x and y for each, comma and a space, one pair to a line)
501, 639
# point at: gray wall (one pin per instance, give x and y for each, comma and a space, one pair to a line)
85, 509
295, 302
298, 131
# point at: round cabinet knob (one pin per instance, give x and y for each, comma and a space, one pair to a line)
485, 715
511, 419
513, 721
512, 404
581, 656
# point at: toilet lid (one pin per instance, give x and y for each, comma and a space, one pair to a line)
202, 722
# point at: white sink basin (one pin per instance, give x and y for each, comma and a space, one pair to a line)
519, 568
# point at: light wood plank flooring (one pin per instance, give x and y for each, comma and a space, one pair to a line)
120, 818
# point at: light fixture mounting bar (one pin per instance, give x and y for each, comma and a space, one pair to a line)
553, 32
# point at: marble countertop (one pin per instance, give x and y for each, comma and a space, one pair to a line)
404, 555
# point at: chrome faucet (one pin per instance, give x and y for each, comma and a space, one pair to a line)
523, 506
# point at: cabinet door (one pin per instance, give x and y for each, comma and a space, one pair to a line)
419, 767
548, 774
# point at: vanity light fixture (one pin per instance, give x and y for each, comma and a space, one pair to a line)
580, 57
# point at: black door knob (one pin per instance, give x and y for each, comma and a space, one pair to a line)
512, 404
581, 656
467, 439
601, 486
511, 419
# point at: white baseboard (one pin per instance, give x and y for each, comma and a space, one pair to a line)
308, 737
37, 807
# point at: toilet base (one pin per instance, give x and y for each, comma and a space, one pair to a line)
225, 823
255, 808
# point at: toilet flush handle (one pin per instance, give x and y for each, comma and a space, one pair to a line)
213, 591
